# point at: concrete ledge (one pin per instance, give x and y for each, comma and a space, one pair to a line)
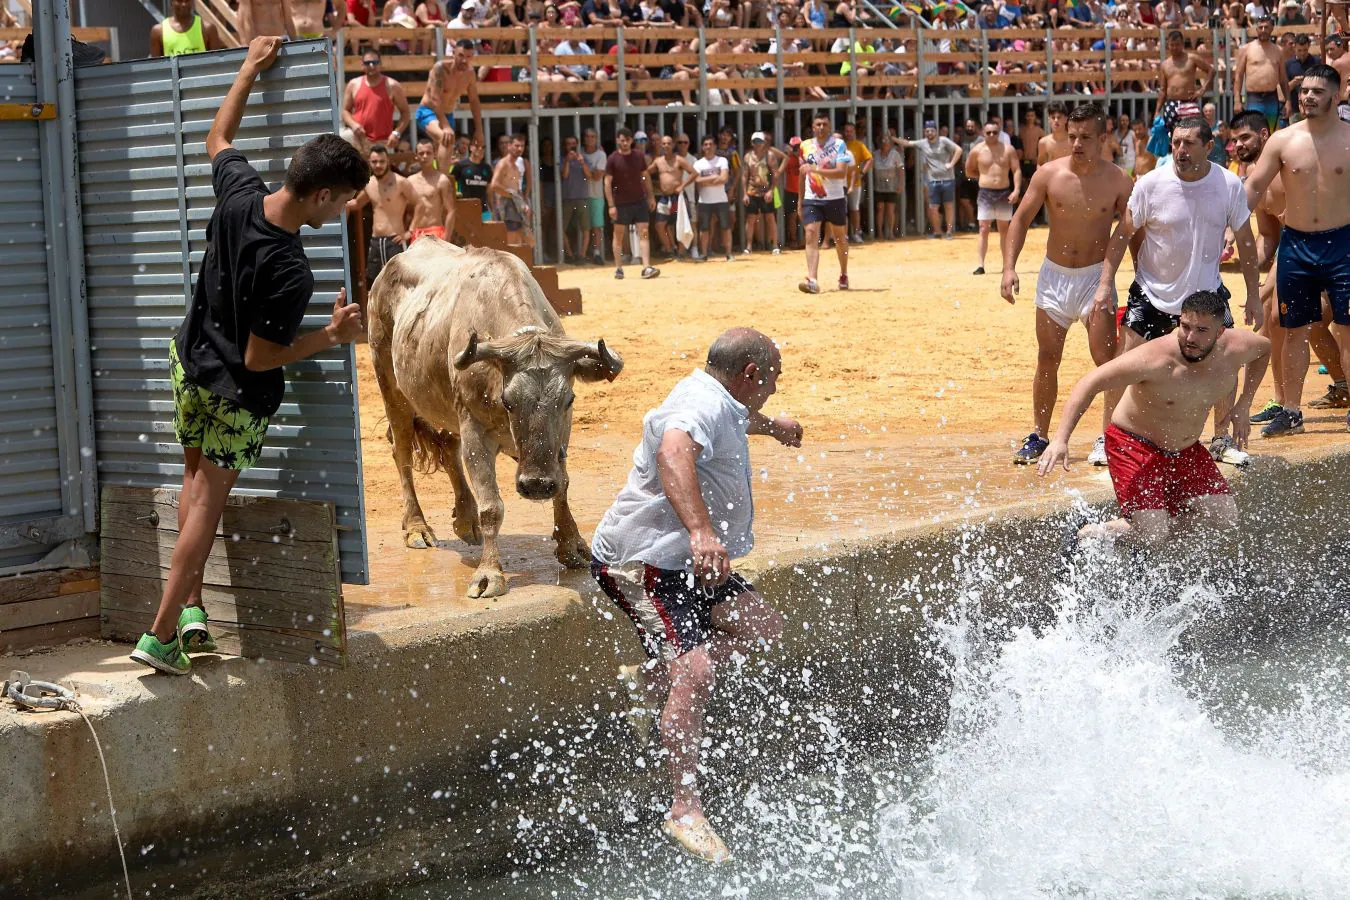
242, 748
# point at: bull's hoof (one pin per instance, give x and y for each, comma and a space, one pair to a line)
419, 537
466, 528
487, 583
573, 555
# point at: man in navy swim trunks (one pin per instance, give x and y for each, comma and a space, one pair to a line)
449, 80
1312, 159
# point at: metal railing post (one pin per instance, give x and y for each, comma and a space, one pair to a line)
778, 65
852, 67
984, 70
919, 66
623, 76
1106, 69
1049, 62
702, 72
534, 82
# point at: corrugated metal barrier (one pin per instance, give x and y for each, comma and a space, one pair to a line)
146, 186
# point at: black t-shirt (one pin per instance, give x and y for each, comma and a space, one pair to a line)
254, 279
473, 179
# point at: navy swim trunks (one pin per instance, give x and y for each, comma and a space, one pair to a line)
1311, 262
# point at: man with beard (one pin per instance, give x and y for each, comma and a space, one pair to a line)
392, 200
1159, 469
434, 213
1182, 209
1311, 158
673, 174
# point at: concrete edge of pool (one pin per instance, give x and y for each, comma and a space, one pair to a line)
255, 741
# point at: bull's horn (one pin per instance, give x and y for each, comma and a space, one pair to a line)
612, 362
469, 355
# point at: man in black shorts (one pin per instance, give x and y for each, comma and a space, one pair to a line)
659, 558
712, 172
825, 168
251, 294
628, 193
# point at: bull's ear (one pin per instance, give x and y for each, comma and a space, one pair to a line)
599, 362
469, 355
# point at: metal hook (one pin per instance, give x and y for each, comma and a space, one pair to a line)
284, 528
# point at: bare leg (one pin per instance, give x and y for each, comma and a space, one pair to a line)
934, 220
617, 242
1341, 334
1295, 365
1050, 337
950, 209
644, 244
840, 247
983, 245
1147, 527
1272, 330
1325, 347
192, 457
812, 249
209, 490
1101, 331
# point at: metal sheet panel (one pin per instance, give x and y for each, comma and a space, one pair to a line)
146, 184
30, 469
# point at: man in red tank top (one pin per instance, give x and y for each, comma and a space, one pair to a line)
368, 106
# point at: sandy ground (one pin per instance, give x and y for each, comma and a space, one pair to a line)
914, 388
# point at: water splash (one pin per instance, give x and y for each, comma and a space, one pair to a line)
1077, 762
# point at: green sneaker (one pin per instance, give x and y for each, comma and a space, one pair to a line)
192, 626
1267, 413
167, 658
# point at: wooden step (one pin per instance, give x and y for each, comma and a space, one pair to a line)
566, 301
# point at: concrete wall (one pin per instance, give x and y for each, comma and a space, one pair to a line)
297, 766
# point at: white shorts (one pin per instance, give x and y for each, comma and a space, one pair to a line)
1066, 294
992, 205
855, 199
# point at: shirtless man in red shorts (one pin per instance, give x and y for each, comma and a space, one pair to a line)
1159, 468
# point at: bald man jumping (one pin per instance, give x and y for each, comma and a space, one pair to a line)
659, 557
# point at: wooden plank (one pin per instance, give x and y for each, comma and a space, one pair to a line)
49, 610
48, 635
89, 35
271, 593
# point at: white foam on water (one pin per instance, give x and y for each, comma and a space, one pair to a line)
1077, 764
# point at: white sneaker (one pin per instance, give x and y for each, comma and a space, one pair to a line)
1098, 455
1225, 450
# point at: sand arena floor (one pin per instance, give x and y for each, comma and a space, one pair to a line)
913, 388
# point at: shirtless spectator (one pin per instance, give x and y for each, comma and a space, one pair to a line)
995, 165
1260, 76
183, 31
1163, 476
265, 18
369, 104
391, 199
1314, 253
435, 192
1081, 193
448, 81
1339, 60
1144, 162
1181, 77
1055, 144
507, 193
310, 18
673, 175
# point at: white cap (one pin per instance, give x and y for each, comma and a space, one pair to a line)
758, 136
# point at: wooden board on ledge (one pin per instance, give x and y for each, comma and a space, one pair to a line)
470, 226
272, 586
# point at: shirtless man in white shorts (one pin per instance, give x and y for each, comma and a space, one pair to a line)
1081, 192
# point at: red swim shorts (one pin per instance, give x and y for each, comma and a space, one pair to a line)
1147, 477
436, 231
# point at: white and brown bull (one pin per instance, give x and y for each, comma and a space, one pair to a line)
472, 361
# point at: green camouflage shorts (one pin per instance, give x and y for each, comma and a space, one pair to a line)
227, 434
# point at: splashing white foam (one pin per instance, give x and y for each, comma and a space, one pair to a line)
1077, 764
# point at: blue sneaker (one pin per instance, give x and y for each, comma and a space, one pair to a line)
1267, 413
1032, 448
1286, 422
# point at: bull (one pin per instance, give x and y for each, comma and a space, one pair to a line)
472, 361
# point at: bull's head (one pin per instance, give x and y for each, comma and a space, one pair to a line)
537, 368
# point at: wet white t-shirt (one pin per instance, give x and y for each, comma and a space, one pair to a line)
641, 525
1183, 224
832, 154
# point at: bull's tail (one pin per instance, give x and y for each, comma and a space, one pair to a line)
432, 450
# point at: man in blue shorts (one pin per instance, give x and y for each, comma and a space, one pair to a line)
824, 174
225, 364
448, 80
1311, 157
660, 559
